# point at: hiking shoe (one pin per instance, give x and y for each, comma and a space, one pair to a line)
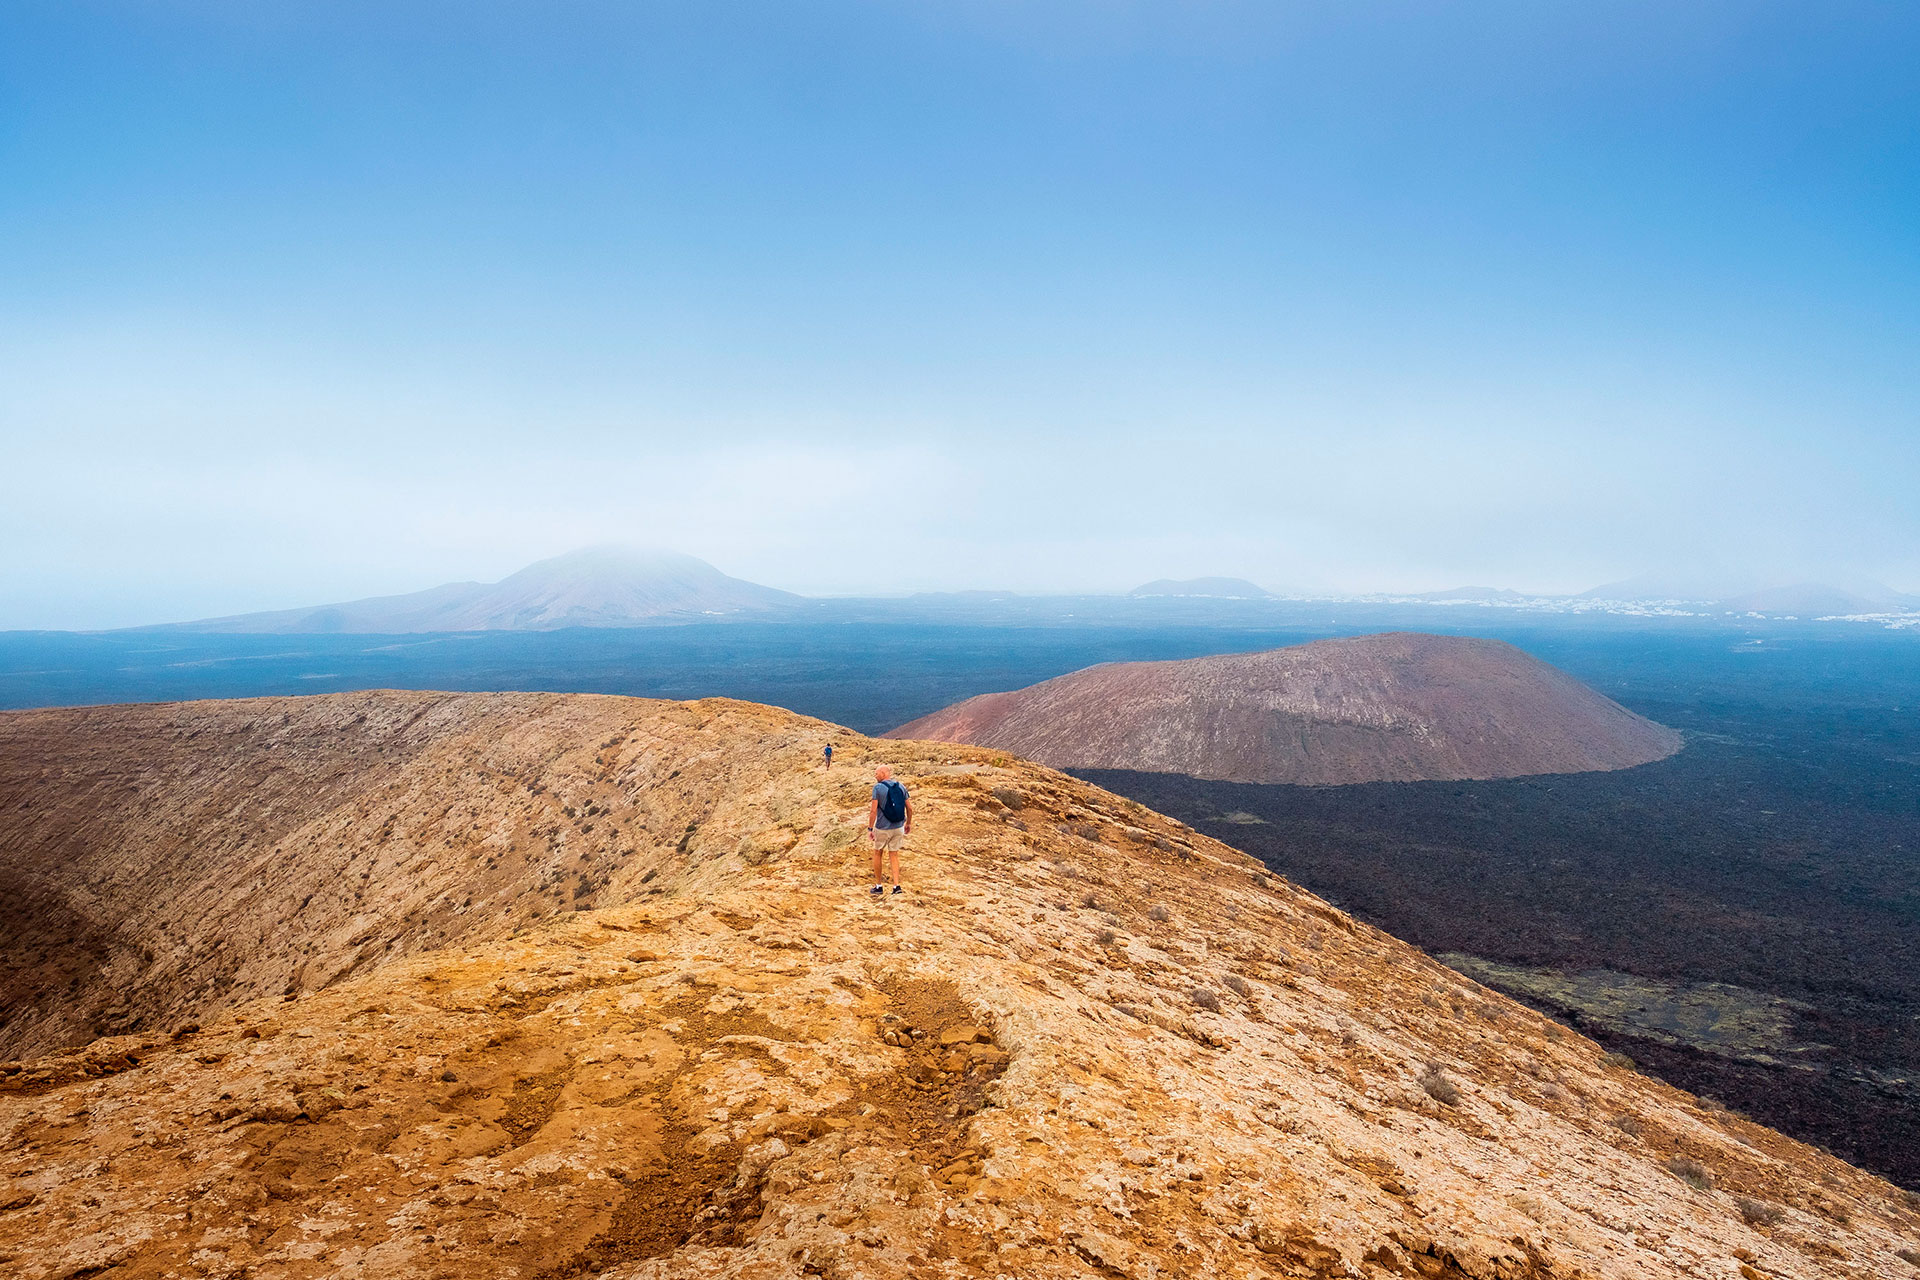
896, 888
878, 889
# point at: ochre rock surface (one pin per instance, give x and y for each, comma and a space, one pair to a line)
1085, 1042
1399, 707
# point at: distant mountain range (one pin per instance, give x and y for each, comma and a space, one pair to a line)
621, 587
598, 587
1205, 588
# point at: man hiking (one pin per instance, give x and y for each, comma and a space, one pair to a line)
829, 755
889, 822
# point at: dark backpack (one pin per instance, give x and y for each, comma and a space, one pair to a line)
894, 807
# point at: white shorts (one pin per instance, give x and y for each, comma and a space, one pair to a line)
889, 840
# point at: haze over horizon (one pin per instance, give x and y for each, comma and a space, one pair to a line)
324, 302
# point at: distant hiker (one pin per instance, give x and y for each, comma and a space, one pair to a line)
829, 754
889, 822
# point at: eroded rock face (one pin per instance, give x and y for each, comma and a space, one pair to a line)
1085, 1042
1401, 707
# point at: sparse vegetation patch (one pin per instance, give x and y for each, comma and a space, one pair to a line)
1438, 1087
1691, 1172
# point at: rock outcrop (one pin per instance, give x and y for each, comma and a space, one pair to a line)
1399, 707
1086, 1042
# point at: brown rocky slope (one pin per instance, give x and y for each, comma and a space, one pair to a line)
1399, 707
1088, 1042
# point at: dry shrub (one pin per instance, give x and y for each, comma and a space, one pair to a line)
1758, 1213
1529, 1205
1091, 901
1159, 913
1237, 984
1616, 1059
1205, 999
1691, 1172
1630, 1125
1438, 1086
1909, 1256
1105, 937
1009, 797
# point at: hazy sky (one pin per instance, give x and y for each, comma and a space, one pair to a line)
312, 301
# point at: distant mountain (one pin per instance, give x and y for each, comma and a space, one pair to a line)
1209, 588
1399, 707
1700, 588
598, 587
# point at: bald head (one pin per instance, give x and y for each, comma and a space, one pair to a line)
881, 773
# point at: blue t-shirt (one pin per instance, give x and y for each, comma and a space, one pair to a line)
880, 822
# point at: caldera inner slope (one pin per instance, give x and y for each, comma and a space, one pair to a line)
1397, 707
404, 984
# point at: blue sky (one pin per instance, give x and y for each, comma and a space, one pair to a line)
316, 301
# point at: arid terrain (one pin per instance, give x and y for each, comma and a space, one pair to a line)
403, 984
1397, 707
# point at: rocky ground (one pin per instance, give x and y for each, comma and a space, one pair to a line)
1086, 1041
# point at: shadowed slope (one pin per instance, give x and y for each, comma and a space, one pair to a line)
1087, 1042
160, 862
1387, 708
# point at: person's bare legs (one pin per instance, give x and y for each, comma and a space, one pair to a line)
888, 859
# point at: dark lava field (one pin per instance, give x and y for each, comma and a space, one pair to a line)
1743, 918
